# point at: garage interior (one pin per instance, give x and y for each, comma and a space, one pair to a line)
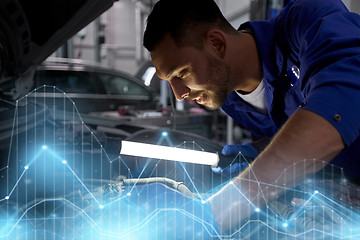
62, 172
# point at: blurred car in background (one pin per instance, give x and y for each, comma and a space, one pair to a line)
94, 88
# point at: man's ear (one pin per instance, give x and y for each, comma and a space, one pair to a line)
217, 42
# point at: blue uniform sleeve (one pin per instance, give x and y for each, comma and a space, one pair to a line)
326, 37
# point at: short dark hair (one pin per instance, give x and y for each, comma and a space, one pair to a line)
187, 21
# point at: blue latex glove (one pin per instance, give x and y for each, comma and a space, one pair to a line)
240, 157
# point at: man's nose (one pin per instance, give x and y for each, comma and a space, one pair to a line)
180, 90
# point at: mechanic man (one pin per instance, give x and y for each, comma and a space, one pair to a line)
294, 79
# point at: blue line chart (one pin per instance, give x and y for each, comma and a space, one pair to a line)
58, 181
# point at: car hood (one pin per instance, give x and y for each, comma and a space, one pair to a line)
32, 30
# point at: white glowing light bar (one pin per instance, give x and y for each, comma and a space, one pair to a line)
168, 153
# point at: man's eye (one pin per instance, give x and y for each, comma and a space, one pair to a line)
183, 75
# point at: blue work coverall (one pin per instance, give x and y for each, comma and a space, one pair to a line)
310, 55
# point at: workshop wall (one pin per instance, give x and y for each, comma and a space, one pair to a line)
115, 38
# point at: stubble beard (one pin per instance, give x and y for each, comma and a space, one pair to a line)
217, 88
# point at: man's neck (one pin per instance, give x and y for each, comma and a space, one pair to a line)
245, 62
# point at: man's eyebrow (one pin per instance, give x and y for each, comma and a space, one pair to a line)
171, 71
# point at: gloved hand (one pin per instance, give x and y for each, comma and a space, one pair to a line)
239, 157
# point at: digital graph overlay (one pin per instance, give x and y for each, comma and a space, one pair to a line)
59, 182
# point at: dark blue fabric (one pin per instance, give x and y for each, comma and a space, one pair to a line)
320, 41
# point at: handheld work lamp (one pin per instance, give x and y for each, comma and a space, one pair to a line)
168, 153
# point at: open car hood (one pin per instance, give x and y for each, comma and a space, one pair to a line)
32, 30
